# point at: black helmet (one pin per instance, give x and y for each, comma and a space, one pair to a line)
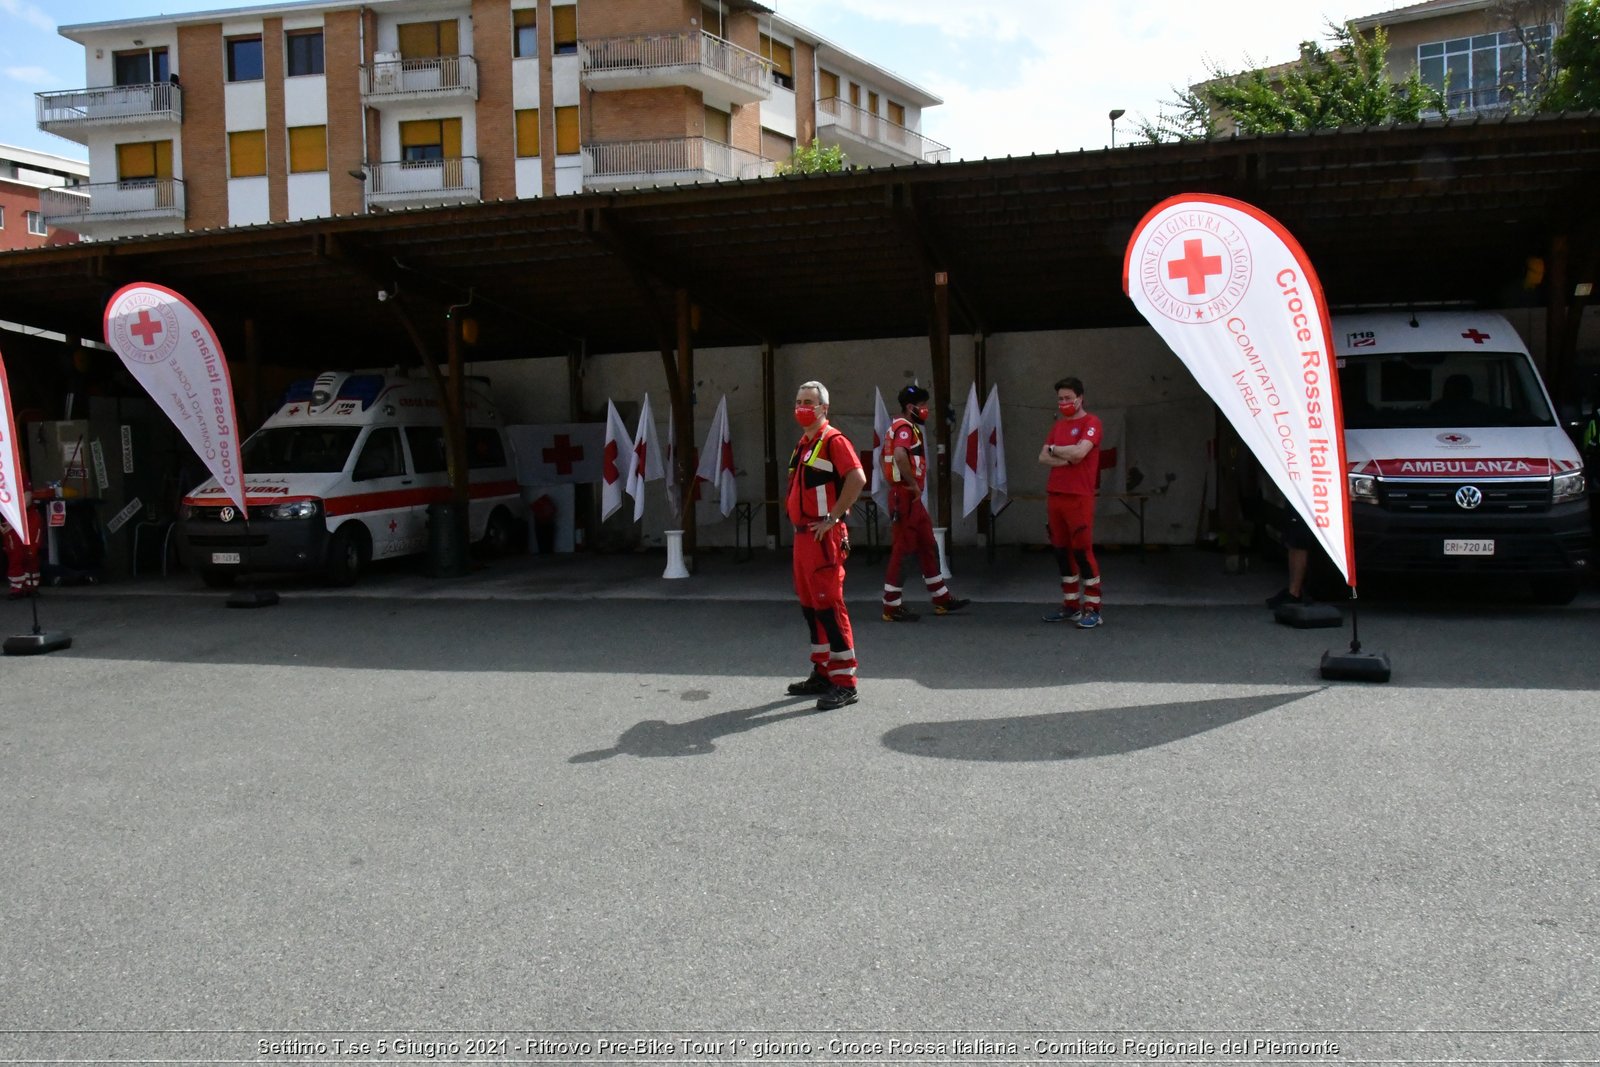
913, 394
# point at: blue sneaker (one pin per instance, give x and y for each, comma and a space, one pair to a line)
1064, 616
1089, 621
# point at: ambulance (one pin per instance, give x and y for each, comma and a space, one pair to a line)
343, 474
1457, 463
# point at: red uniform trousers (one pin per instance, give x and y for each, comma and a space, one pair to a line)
22, 561
819, 583
1071, 520
912, 535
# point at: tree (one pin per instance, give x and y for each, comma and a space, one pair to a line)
814, 158
1187, 117
1534, 24
1577, 54
1346, 85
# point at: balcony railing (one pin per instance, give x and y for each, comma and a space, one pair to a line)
701, 60
79, 207
671, 161
879, 131
392, 80
63, 112
412, 183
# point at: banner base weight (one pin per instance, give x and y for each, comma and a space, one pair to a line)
1356, 666
36, 644
1308, 616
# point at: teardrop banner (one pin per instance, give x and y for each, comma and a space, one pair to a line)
11, 503
1234, 295
170, 348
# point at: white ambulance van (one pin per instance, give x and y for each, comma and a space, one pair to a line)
1458, 465
343, 473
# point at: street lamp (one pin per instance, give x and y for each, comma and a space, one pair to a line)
1116, 113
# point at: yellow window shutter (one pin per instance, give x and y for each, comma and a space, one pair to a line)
247, 153
450, 129
828, 84
564, 21
308, 149
527, 132
897, 113
420, 132
567, 141
136, 161
525, 16
163, 159
449, 38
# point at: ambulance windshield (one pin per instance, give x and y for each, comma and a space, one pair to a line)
1443, 390
299, 449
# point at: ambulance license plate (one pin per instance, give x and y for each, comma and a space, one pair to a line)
1469, 548
233, 557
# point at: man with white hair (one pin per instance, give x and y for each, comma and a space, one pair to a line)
825, 477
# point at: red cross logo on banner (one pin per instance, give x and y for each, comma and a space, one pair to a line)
1475, 337
1195, 266
610, 470
563, 454
146, 328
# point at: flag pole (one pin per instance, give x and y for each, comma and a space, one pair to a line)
1355, 665
38, 642
251, 596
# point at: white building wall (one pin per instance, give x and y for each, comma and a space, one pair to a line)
1169, 420
777, 114
310, 196
247, 201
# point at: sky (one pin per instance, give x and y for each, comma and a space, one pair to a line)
1017, 76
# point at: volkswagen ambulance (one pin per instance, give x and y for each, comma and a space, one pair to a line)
1457, 463
342, 474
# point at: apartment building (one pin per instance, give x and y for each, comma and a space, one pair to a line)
305, 110
1481, 53
24, 175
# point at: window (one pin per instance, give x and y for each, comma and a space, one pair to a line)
298, 450
776, 145
782, 57
35, 223
711, 20
143, 67
872, 103
719, 126
308, 149
429, 40
855, 95
247, 153
566, 131
303, 53
1486, 71
145, 162
527, 132
525, 33
827, 84
565, 30
430, 140
244, 59
428, 453
897, 113
2, 216
1441, 390
380, 456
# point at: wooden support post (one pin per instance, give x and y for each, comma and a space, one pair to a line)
1557, 368
685, 424
574, 386
939, 343
769, 441
455, 414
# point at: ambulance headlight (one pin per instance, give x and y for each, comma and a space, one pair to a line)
1364, 487
1568, 486
299, 509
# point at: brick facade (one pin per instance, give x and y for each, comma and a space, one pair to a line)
497, 131
277, 135
205, 141
341, 46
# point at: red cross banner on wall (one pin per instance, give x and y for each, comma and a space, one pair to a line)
558, 453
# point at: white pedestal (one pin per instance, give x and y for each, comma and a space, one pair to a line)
944, 562
675, 567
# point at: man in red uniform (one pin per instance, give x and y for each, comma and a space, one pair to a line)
905, 469
1072, 452
825, 477
22, 560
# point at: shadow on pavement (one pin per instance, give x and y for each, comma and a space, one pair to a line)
656, 737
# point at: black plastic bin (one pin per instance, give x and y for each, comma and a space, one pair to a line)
448, 555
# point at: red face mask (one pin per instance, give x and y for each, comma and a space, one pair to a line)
805, 416
1068, 408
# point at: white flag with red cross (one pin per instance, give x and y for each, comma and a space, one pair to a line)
880, 438
972, 449
995, 442
11, 501
172, 351
1235, 297
674, 493
645, 464
716, 459
614, 462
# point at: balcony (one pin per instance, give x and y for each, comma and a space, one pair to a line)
873, 141
82, 207
421, 183
723, 72
673, 161
389, 81
71, 114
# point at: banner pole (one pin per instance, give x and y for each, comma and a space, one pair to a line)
1355, 621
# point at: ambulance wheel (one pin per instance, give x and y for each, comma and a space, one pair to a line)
1556, 590
348, 554
501, 535
216, 578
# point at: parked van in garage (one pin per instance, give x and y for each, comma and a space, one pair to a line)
1458, 464
342, 474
